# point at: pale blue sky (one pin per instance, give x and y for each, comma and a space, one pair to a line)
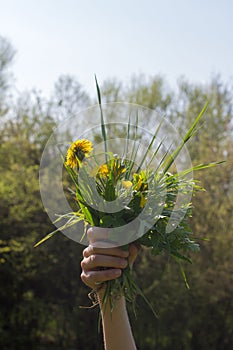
118, 38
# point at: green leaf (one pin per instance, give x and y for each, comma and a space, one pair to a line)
181, 256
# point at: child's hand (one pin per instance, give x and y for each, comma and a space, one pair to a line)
104, 264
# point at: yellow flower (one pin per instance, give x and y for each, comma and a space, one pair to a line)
126, 184
77, 152
140, 182
114, 167
103, 170
142, 201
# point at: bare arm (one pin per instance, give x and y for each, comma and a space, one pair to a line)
116, 327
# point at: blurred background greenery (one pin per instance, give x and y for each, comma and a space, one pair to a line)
41, 290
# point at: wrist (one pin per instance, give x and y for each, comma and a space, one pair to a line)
110, 302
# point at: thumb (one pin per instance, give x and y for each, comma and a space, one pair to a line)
134, 249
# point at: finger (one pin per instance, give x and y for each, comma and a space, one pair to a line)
90, 278
133, 253
97, 234
94, 261
94, 249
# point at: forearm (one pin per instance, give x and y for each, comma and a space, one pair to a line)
116, 327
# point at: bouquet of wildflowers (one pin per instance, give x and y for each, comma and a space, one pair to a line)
136, 202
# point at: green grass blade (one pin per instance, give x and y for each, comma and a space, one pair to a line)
127, 141
68, 224
134, 150
196, 168
51, 234
168, 162
103, 130
149, 147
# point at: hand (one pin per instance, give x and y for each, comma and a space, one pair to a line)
112, 259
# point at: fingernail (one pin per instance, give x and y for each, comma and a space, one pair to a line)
117, 272
123, 263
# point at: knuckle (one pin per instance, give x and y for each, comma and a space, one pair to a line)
93, 258
91, 249
83, 277
83, 264
90, 233
85, 252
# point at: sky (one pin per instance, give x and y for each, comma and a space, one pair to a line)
116, 39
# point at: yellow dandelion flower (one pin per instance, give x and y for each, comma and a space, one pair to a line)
114, 167
77, 152
103, 170
126, 184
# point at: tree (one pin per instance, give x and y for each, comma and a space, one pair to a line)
69, 97
7, 54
